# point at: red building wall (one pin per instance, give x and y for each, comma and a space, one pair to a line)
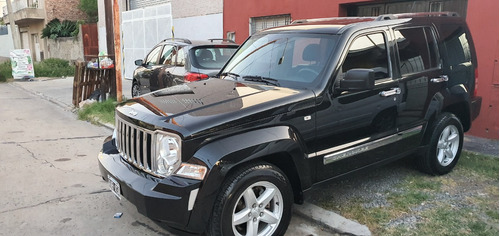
482, 17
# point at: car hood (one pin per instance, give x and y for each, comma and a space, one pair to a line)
206, 106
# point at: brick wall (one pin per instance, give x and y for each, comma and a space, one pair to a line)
64, 10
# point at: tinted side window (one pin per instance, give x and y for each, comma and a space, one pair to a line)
152, 57
181, 57
457, 46
457, 58
417, 50
168, 56
368, 52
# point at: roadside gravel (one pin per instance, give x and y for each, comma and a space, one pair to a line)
396, 199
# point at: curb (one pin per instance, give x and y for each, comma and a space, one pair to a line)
330, 220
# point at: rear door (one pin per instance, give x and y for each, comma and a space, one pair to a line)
421, 78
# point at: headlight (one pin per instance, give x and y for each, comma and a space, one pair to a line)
192, 171
168, 153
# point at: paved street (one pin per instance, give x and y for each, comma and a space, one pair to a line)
49, 178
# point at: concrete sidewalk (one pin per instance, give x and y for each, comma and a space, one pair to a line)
308, 219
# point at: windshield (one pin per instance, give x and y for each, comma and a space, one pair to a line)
290, 60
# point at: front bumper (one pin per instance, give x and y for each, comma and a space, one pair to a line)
169, 199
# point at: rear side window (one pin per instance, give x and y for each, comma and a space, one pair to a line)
417, 49
212, 58
457, 45
457, 59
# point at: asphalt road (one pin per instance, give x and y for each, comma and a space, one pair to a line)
49, 178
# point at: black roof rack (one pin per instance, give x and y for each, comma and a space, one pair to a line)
178, 40
417, 14
223, 40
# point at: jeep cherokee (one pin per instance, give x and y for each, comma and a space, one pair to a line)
295, 106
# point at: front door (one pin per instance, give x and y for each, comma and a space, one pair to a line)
357, 128
145, 72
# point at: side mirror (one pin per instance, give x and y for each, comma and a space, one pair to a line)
358, 80
139, 62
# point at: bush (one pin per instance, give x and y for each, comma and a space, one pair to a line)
54, 67
5, 71
55, 29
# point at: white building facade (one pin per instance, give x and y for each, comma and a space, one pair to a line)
144, 23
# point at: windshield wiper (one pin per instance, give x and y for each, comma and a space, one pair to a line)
257, 78
231, 74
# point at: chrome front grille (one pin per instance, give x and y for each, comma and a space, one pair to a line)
135, 145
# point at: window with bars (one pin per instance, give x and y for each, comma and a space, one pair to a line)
259, 23
435, 6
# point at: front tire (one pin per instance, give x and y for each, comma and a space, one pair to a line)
255, 200
136, 90
445, 146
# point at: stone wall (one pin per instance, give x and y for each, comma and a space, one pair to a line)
70, 49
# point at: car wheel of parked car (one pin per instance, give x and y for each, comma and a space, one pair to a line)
445, 146
136, 90
255, 200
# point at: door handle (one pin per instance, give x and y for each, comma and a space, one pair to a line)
390, 92
440, 79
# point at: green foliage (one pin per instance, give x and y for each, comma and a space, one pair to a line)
53, 67
98, 111
5, 71
90, 8
55, 29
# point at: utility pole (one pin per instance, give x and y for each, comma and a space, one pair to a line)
118, 50
110, 41
12, 23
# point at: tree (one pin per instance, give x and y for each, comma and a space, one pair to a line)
90, 8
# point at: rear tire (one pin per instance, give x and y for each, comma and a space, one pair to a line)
445, 146
255, 200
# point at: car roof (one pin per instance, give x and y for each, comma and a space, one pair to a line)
337, 25
194, 43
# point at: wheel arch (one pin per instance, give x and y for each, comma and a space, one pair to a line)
277, 145
455, 100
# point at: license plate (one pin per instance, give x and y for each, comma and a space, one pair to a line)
115, 187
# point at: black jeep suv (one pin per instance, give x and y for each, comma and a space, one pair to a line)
295, 106
177, 61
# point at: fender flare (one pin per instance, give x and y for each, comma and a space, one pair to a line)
444, 99
225, 154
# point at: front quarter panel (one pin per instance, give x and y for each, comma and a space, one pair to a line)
222, 156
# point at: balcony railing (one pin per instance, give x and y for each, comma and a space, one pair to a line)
24, 11
22, 4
